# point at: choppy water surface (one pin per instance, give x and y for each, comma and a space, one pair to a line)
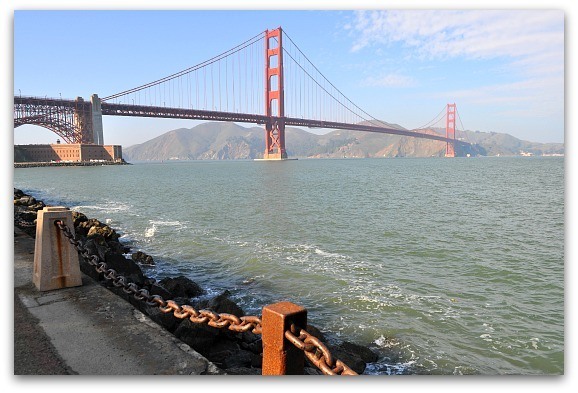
448, 266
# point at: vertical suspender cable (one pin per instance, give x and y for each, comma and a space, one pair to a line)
233, 74
252, 86
240, 82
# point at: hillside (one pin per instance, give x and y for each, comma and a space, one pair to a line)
227, 141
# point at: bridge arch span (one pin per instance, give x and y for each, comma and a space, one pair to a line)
64, 130
70, 120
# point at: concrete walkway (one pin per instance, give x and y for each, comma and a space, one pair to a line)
88, 330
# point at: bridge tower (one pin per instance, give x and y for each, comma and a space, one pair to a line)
274, 96
451, 129
97, 131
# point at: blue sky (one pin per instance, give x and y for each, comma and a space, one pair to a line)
503, 69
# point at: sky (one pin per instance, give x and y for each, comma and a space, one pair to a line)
503, 68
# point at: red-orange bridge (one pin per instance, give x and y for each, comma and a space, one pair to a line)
265, 80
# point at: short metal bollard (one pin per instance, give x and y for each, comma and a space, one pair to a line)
55, 258
280, 357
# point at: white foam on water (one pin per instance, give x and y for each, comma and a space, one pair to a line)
107, 207
384, 342
150, 232
327, 254
166, 223
534, 341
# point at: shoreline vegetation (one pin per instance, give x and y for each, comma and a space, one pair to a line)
234, 353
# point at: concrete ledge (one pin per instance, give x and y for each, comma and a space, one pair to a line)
97, 333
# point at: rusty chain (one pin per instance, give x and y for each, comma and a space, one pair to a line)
313, 348
317, 352
213, 319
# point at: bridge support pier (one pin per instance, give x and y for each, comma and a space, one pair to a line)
82, 122
97, 133
451, 130
275, 141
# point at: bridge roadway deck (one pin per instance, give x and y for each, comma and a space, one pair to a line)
91, 330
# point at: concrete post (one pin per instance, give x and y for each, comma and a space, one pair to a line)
56, 262
281, 357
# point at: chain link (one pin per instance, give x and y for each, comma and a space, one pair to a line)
317, 352
313, 348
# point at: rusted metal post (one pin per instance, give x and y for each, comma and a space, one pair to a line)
56, 262
281, 357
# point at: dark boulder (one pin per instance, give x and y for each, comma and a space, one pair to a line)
222, 304
37, 206
28, 216
117, 247
222, 350
365, 353
78, 217
143, 258
311, 371
25, 201
351, 359
255, 347
92, 227
182, 287
83, 226
244, 371
228, 354
239, 358
257, 360
102, 230
198, 336
155, 289
97, 246
125, 267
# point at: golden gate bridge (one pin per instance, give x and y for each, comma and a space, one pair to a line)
265, 80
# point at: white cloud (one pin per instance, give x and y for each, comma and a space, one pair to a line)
475, 34
531, 40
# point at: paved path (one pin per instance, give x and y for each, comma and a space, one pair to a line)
88, 330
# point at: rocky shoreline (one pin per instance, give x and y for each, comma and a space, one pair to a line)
235, 353
79, 163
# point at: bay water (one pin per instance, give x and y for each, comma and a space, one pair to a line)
444, 266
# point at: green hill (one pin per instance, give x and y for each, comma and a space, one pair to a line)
230, 141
